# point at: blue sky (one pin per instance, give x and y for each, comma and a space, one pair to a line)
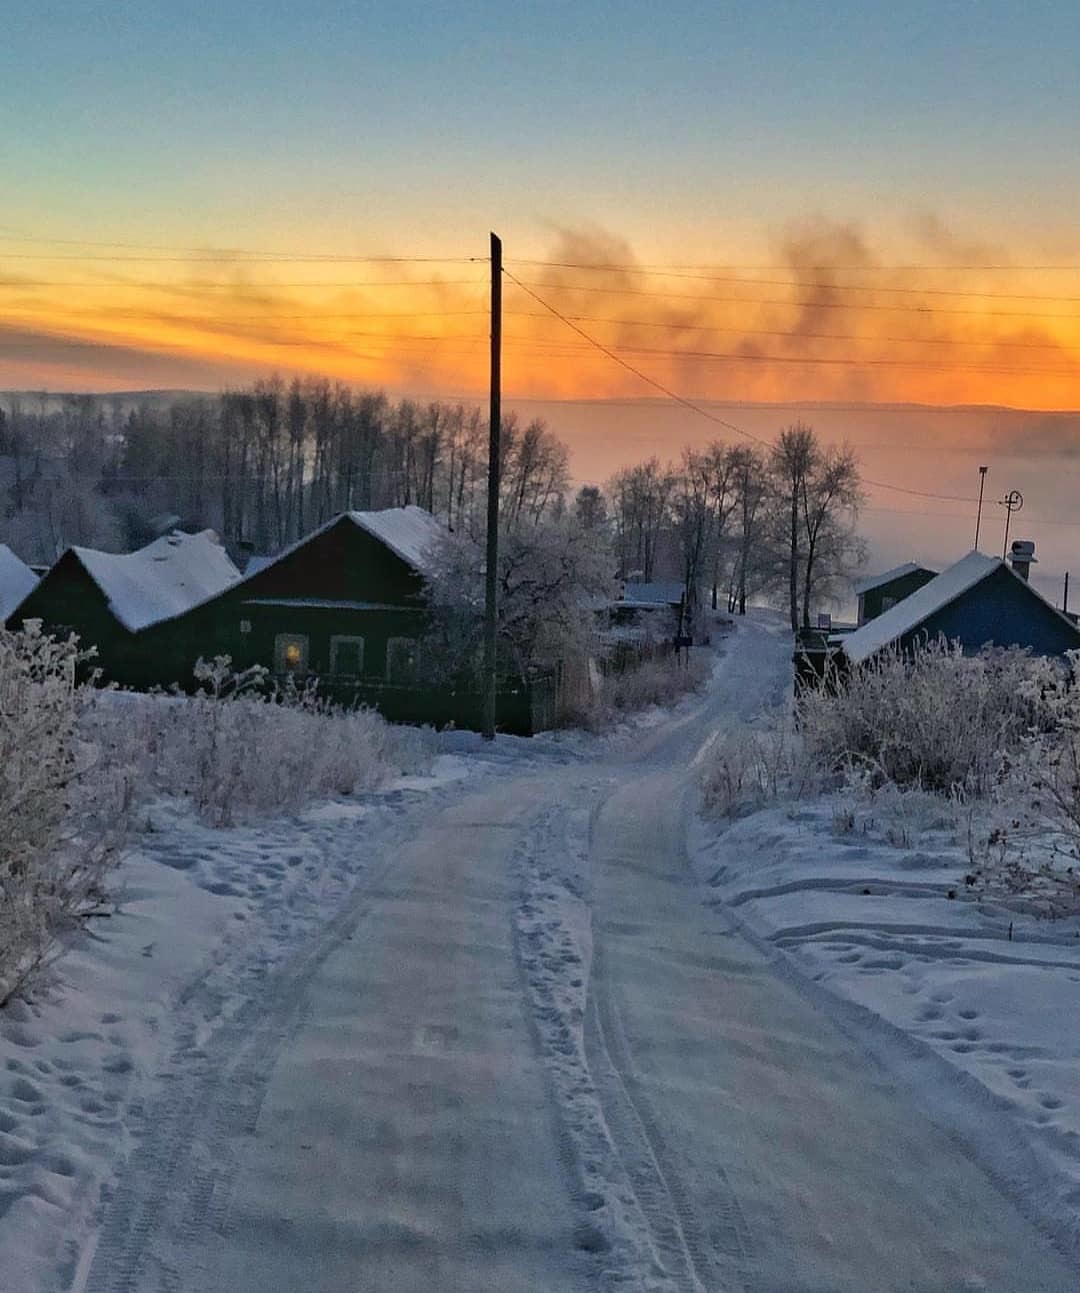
674, 124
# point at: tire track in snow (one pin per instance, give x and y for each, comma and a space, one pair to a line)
174, 1191
677, 1236
638, 1209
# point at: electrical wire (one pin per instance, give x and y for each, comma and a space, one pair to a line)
703, 412
789, 304
808, 336
689, 271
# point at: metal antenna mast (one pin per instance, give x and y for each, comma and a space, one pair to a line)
1012, 502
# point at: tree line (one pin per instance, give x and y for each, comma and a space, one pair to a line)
735, 522
262, 466
267, 464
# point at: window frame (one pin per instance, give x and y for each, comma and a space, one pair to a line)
346, 639
415, 646
282, 642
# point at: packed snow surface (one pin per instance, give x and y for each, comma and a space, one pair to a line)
17, 580
166, 578
977, 996
489, 1030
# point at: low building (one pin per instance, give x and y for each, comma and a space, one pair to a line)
111, 600
879, 593
17, 581
344, 604
979, 601
654, 606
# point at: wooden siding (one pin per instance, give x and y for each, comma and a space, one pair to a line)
343, 564
1000, 611
871, 604
67, 601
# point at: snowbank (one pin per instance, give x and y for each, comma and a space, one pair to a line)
975, 998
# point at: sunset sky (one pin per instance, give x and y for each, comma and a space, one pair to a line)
847, 202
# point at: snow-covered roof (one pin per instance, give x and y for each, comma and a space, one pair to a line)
256, 563
166, 578
932, 597
898, 572
16, 581
660, 592
410, 532
322, 604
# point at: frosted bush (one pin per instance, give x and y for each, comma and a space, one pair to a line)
1049, 764
745, 767
939, 720
661, 680
62, 805
238, 753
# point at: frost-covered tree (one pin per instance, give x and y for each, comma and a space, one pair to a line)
551, 576
819, 496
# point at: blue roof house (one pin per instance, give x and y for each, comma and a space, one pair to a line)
979, 601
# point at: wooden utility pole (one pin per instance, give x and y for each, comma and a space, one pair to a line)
491, 591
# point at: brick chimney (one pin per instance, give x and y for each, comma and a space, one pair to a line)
1022, 556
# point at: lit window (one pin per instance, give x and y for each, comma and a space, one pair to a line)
290, 653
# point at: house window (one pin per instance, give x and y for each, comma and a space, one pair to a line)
402, 660
291, 653
887, 603
346, 654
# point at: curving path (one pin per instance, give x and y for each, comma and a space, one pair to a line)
529, 1058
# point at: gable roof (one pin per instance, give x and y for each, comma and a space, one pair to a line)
17, 580
915, 609
164, 579
410, 532
898, 572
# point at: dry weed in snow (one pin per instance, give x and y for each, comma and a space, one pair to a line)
62, 806
237, 754
660, 681
938, 720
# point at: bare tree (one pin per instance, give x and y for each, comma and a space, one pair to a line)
820, 493
831, 498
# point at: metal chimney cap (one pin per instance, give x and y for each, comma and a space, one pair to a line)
1023, 550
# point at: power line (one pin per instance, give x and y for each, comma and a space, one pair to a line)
735, 357
789, 304
697, 408
679, 399
963, 516
247, 258
693, 271
658, 269
192, 286
808, 336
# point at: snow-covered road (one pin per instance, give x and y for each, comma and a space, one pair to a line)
527, 1055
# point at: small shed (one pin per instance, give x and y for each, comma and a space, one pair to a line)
879, 593
979, 601
111, 599
17, 581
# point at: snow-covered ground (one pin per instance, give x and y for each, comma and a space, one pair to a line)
964, 989
201, 915
489, 1029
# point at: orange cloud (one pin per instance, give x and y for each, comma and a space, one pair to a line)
826, 319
